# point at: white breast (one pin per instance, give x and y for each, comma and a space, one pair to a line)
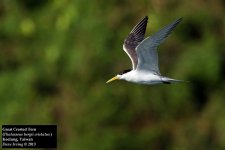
142, 77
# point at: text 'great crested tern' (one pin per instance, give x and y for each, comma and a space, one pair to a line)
144, 56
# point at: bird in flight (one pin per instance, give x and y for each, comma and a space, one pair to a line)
144, 56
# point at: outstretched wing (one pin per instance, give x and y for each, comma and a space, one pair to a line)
134, 38
147, 50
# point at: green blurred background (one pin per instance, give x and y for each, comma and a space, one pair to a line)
56, 55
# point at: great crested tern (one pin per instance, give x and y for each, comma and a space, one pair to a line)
143, 55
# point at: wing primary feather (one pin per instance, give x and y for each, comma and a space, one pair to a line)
147, 49
140, 29
161, 35
134, 38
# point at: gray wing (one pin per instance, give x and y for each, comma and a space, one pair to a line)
134, 38
147, 50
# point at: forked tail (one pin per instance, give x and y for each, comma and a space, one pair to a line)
167, 80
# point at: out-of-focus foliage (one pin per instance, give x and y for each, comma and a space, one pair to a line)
55, 56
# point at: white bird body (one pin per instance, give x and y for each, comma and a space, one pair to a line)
141, 77
144, 56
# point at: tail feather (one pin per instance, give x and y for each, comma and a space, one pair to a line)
167, 80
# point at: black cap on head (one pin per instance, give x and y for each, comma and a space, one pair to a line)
124, 71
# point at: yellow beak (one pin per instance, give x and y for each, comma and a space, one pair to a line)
114, 78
